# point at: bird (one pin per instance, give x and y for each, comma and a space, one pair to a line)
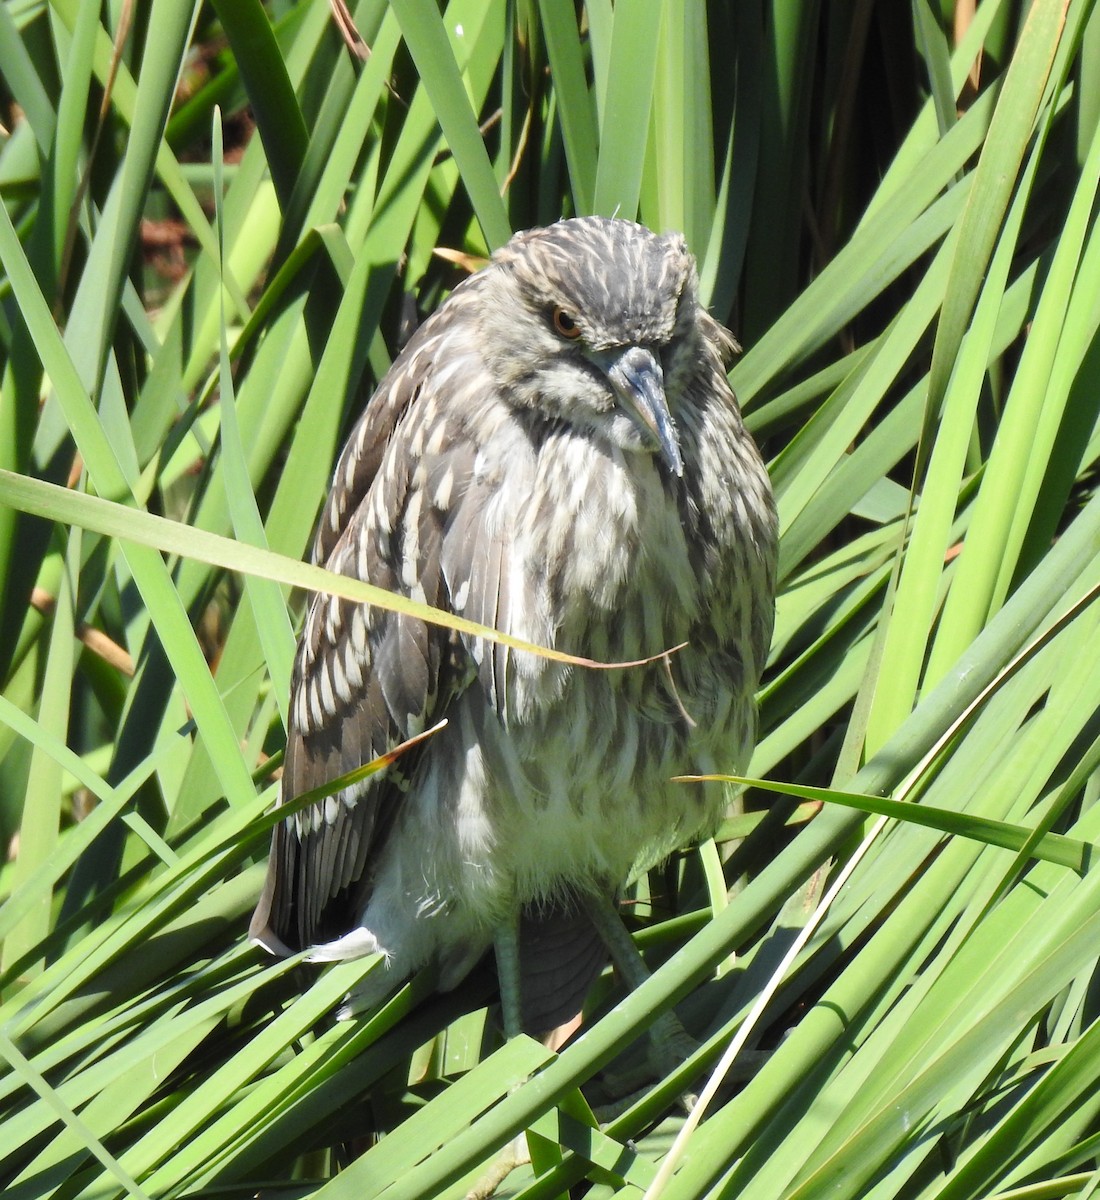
556, 453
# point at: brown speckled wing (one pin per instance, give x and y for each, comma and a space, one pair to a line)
366, 678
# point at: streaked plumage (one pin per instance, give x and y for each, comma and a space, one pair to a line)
556, 453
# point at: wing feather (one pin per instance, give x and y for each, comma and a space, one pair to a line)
366, 678
473, 558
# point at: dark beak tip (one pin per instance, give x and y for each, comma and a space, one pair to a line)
639, 381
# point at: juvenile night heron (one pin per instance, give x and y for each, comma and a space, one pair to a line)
556, 453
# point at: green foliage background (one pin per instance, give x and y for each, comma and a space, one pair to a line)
894, 206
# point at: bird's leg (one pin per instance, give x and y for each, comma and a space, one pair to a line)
506, 948
670, 1043
516, 1153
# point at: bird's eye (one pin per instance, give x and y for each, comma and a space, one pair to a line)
564, 325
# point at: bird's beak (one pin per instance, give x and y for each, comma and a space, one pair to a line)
638, 381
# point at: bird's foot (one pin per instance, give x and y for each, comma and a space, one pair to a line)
669, 1047
377, 987
670, 1044
668, 1051
515, 1154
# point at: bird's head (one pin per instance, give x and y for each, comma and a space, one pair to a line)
596, 323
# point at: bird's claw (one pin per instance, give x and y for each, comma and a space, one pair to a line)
515, 1154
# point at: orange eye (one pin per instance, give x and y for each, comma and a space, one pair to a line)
564, 325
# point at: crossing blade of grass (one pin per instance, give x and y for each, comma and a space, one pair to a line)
26, 83
1051, 847
625, 117
427, 39
337, 170
994, 1028
920, 586
934, 50
33, 889
278, 116
994, 180
108, 477
396, 1160
575, 107
683, 140
124, 101
193, 1112
42, 816
1032, 417
887, 242
95, 305
145, 531
16, 1060
722, 264
268, 605
112, 1107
